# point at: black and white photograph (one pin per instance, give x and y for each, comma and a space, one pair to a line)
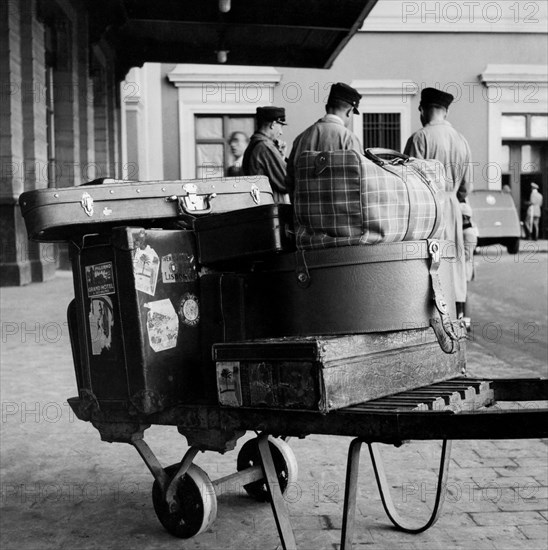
273, 274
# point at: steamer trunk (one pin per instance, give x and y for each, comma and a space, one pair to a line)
327, 373
137, 319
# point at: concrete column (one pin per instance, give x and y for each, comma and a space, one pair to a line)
66, 98
66, 106
112, 124
107, 113
117, 118
85, 100
14, 263
34, 127
101, 123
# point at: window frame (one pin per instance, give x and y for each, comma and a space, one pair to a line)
382, 130
226, 117
528, 116
386, 96
216, 89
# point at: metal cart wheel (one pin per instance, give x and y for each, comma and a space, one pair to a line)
194, 507
284, 462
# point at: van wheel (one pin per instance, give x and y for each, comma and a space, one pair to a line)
513, 246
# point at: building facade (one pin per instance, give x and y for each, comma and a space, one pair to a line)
67, 118
60, 117
492, 56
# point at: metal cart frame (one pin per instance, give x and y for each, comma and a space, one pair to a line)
213, 428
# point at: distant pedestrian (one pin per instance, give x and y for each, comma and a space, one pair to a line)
532, 218
238, 144
440, 141
265, 153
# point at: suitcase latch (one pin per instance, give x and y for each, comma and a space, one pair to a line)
87, 204
194, 203
256, 194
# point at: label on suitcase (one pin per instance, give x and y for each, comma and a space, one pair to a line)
138, 317
245, 234
62, 214
327, 373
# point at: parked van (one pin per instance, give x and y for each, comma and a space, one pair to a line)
496, 218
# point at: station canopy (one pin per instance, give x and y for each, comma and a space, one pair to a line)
283, 33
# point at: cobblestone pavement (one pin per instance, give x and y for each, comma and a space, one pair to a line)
62, 488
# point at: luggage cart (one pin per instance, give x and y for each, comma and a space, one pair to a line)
184, 497
133, 394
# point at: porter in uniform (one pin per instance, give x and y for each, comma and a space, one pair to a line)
263, 155
439, 140
331, 132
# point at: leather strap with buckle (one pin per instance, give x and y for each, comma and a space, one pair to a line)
447, 335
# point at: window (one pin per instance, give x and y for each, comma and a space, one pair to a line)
382, 130
386, 112
230, 85
524, 126
539, 126
212, 132
513, 126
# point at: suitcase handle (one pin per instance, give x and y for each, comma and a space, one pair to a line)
188, 205
376, 155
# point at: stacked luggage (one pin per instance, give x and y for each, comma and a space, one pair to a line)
136, 320
363, 307
206, 292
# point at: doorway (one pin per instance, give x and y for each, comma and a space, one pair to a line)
526, 162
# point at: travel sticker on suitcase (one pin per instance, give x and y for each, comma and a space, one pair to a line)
100, 279
189, 310
101, 321
162, 325
228, 383
146, 266
179, 267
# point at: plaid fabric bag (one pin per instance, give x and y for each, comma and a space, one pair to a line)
343, 198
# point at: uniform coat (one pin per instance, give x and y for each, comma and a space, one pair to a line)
440, 141
262, 158
327, 134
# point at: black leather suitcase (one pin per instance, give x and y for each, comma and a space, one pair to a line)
60, 214
137, 314
350, 290
222, 312
325, 373
245, 234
